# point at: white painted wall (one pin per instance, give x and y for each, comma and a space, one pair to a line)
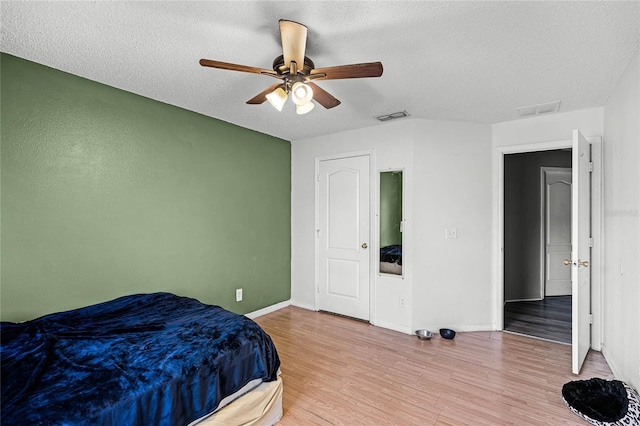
621, 339
447, 183
546, 128
452, 188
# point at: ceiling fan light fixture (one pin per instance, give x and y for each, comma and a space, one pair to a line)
277, 98
297, 73
301, 94
304, 108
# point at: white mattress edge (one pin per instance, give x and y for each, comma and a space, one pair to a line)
230, 398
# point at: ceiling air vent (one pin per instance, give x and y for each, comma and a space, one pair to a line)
529, 111
393, 116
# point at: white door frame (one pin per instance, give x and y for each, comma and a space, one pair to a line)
597, 229
372, 173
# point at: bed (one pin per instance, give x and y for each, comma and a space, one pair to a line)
391, 259
144, 359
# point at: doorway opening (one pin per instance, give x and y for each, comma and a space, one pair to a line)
586, 239
537, 237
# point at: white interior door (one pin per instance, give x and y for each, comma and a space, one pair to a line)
343, 233
580, 250
557, 226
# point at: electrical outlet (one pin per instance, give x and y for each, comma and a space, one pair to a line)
621, 268
451, 233
402, 303
238, 295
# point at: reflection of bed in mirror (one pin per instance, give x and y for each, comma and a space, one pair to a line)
391, 259
391, 222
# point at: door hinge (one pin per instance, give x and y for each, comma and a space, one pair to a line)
590, 166
318, 289
318, 178
590, 318
591, 242
318, 233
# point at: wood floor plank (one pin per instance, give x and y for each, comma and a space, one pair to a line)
338, 371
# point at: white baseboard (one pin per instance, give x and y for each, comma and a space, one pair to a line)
388, 325
535, 299
612, 365
303, 306
268, 309
391, 326
434, 329
460, 327
477, 327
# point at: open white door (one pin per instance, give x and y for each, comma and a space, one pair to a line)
343, 236
580, 250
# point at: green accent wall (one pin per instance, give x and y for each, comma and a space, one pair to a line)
106, 193
390, 208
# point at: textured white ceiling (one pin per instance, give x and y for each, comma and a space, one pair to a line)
465, 61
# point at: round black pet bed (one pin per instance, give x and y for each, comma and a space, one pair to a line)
603, 402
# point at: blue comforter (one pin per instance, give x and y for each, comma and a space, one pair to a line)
145, 359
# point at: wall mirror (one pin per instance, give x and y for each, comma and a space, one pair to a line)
391, 222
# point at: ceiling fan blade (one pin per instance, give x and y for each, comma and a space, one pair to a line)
323, 97
294, 42
262, 96
369, 69
234, 67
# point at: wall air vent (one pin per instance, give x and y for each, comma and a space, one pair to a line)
530, 111
393, 116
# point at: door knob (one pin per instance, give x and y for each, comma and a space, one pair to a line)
364, 245
584, 263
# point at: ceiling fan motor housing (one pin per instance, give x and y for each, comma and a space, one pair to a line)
280, 67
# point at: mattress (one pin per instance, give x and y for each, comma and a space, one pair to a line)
261, 406
390, 268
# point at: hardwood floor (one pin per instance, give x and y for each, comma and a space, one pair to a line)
548, 319
338, 371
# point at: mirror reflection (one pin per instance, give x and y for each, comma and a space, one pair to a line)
391, 222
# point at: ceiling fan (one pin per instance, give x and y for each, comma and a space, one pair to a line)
297, 73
